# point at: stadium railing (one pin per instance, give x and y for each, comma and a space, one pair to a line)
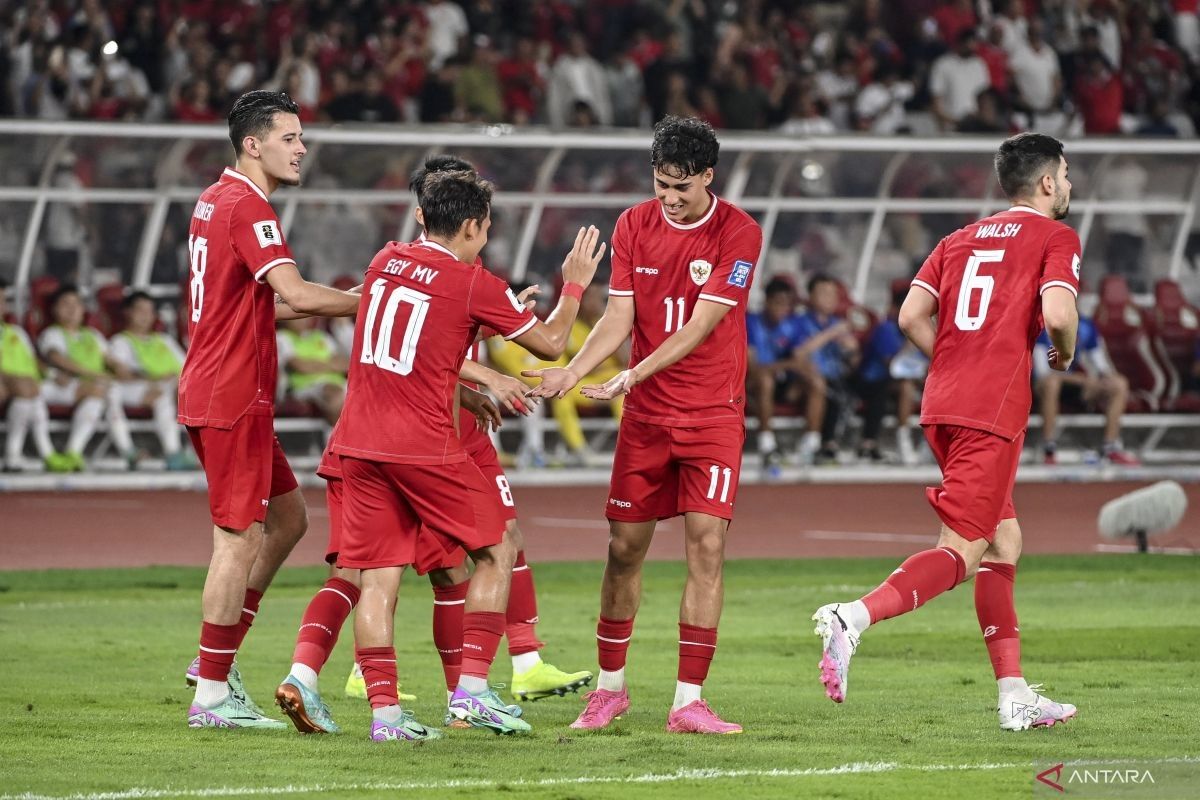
865, 209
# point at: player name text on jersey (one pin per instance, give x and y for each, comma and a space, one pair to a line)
997, 230
397, 266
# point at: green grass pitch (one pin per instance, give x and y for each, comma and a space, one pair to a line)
92, 699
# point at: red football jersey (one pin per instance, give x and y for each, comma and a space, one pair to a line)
988, 279
668, 267
234, 241
421, 309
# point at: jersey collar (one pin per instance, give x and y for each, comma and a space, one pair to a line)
230, 172
423, 242
1027, 210
712, 209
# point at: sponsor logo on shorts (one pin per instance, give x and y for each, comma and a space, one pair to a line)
990, 630
619, 503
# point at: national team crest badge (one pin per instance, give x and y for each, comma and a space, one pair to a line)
700, 270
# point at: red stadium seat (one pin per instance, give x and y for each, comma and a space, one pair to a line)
1126, 336
108, 308
862, 319
1175, 326
38, 315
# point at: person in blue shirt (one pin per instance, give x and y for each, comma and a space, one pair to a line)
1093, 380
775, 375
830, 352
889, 364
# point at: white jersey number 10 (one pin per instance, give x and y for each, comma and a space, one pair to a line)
376, 345
973, 282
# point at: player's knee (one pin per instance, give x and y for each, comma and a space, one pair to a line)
513, 532
352, 576
706, 552
625, 552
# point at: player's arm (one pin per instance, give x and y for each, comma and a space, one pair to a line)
916, 319
509, 391
678, 345
58, 358
815, 342
120, 361
481, 406
1062, 325
606, 338
548, 340
310, 299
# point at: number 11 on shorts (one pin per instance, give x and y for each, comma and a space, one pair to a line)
715, 472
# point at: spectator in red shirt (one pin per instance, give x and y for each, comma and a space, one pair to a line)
953, 17
522, 78
995, 58
1099, 97
195, 103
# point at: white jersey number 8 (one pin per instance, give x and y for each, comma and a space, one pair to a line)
375, 348
198, 254
964, 320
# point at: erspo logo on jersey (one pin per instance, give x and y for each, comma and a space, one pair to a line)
740, 275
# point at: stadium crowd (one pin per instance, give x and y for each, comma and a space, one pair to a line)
799, 66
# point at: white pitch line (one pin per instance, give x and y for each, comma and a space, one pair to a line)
855, 768
1132, 548
871, 536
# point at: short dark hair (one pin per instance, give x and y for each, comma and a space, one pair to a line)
443, 163
780, 285
818, 279
448, 199
133, 297
60, 293
1023, 159
253, 114
683, 146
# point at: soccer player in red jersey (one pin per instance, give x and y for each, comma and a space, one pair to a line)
239, 262
992, 286
682, 264
299, 695
422, 307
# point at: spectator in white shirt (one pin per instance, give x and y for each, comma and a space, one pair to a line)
1036, 73
955, 82
880, 105
576, 76
447, 27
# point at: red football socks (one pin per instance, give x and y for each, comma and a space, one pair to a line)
322, 622
378, 666
697, 646
218, 646
612, 642
522, 614
249, 612
448, 605
481, 636
998, 617
918, 580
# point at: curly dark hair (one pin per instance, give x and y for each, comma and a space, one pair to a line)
683, 146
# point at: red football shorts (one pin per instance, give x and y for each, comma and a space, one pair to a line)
384, 507
978, 472
333, 503
660, 472
486, 458
245, 467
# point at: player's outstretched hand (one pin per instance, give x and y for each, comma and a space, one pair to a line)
616, 387
527, 294
485, 411
580, 264
556, 382
1057, 361
511, 394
